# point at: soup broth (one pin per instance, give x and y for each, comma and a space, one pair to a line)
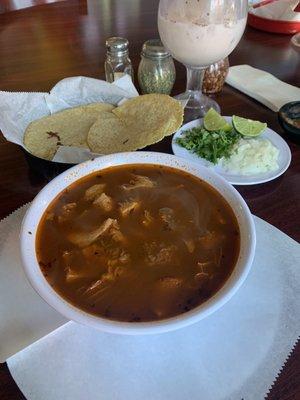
138, 242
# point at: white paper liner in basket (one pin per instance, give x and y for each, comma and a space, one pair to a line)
17, 110
233, 354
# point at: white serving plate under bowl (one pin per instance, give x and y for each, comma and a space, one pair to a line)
284, 157
50, 191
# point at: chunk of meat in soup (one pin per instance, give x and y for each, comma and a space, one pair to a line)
118, 257
94, 191
160, 254
139, 182
67, 211
106, 281
167, 216
104, 202
109, 227
128, 207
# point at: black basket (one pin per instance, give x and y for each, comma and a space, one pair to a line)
46, 169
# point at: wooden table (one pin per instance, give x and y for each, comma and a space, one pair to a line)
43, 44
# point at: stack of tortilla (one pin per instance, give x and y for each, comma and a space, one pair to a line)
105, 129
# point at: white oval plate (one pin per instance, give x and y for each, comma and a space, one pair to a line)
284, 158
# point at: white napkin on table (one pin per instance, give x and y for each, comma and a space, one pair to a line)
24, 316
262, 86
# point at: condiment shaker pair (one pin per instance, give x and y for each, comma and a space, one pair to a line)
156, 72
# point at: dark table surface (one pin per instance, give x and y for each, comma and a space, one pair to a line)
43, 44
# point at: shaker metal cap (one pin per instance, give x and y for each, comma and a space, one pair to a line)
117, 45
154, 48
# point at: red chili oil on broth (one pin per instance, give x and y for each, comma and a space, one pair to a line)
138, 242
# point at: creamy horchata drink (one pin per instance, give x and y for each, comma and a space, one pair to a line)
199, 33
199, 43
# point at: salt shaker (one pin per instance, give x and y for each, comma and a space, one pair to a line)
117, 62
215, 75
156, 72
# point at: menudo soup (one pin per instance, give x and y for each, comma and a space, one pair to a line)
138, 242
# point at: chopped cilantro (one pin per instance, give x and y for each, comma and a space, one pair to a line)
209, 145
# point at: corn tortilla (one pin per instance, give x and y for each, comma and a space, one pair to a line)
138, 123
67, 128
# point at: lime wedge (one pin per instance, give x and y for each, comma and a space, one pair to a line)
214, 122
248, 127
